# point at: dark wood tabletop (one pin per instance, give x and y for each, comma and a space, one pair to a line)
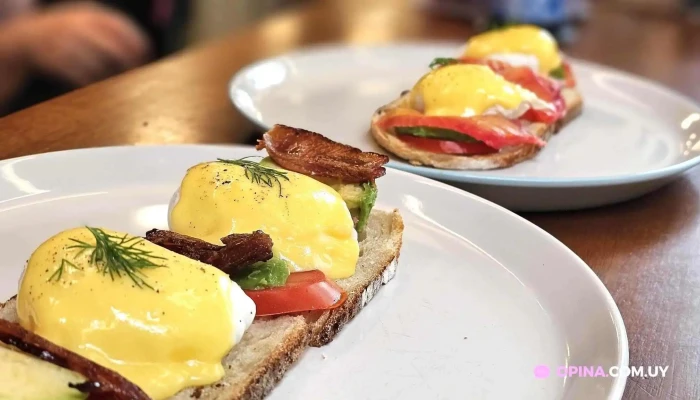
646, 251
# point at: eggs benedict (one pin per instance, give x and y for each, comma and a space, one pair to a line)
464, 116
159, 319
308, 221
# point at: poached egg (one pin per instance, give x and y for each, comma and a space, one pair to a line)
308, 221
466, 90
522, 45
163, 338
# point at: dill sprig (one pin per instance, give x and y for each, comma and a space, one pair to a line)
115, 256
258, 173
59, 271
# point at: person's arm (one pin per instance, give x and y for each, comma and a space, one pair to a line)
76, 43
12, 8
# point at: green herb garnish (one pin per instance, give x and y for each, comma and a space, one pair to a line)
442, 61
558, 72
499, 24
115, 256
59, 271
258, 173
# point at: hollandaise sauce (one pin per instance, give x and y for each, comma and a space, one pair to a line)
518, 40
466, 90
309, 223
165, 324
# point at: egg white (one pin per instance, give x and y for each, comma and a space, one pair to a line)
242, 307
517, 60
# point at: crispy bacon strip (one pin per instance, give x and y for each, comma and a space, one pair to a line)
102, 383
239, 250
315, 155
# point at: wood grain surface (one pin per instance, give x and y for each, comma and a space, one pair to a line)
646, 251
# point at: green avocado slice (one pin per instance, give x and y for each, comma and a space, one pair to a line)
434, 133
263, 275
558, 72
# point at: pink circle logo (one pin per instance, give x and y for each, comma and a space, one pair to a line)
541, 371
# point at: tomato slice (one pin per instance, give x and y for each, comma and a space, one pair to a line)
495, 131
446, 146
304, 291
569, 79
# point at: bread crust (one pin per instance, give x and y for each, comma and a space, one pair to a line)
380, 269
504, 158
271, 346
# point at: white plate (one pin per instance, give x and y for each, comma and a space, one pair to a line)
481, 296
633, 137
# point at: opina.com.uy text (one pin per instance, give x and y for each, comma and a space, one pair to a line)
588, 371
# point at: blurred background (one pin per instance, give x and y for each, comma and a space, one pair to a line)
49, 47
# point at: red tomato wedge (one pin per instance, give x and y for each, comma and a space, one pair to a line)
569, 79
546, 89
304, 291
495, 131
447, 146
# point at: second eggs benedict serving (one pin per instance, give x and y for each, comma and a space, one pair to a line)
530, 57
464, 116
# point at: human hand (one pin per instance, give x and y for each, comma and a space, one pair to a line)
81, 42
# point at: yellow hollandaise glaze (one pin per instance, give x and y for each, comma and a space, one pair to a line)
162, 339
466, 90
521, 39
308, 221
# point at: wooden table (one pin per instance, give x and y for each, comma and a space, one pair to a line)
646, 251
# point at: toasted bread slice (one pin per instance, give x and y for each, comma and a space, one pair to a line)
574, 107
270, 346
504, 158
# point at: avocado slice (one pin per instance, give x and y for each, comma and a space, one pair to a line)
262, 275
24, 377
360, 199
434, 133
558, 72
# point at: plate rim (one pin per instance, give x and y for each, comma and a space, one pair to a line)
474, 177
622, 357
